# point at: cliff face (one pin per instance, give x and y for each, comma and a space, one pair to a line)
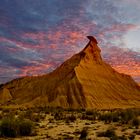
83, 81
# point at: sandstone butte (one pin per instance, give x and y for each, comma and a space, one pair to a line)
83, 81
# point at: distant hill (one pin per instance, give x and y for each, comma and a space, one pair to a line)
83, 81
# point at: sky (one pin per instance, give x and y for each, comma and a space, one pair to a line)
36, 36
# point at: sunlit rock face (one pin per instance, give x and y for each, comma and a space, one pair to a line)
83, 81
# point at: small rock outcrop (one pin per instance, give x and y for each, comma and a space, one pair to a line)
5, 96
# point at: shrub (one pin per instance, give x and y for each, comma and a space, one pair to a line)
136, 122
137, 132
123, 137
84, 134
28, 114
88, 117
115, 117
36, 117
11, 127
71, 118
8, 127
107, 117
25, 127
110, 133
81, 110
110, 117
100, 134
58, 116
1, 116
132, 137
5, 110
127, 115
90, 112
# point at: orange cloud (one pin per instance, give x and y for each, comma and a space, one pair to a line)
123, 60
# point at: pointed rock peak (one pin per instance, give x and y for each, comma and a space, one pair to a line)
91, 38
92, 50
93, 43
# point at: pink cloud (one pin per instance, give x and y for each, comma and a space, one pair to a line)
124, 60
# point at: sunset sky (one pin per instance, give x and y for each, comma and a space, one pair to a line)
38, 35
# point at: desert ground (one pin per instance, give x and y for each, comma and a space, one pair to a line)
45, 123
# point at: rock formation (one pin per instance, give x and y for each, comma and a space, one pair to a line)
83, 81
